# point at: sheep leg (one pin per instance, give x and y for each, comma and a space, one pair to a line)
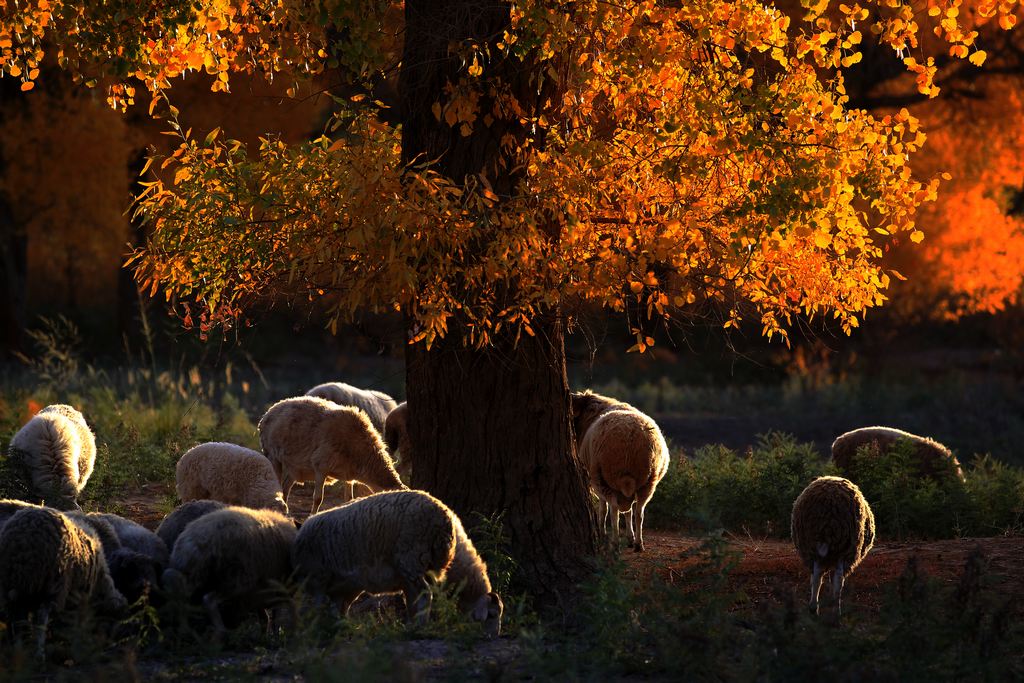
318, 491
837, 587
614, 510
638, 523
212, 604
42, 620
287, 482
628, 514
348, 492
418, 599
816, 576
344, 599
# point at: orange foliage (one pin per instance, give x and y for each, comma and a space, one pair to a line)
696, 154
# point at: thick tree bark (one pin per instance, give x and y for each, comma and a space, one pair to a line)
128, 299
492, 435
13, 245
490, 428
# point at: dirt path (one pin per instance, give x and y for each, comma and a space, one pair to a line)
769, 567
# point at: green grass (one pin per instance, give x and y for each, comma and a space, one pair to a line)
753, 493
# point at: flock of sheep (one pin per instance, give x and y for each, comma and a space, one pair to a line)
231, 545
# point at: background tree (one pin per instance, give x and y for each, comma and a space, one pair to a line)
652, 158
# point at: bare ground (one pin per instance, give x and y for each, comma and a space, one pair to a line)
768, 568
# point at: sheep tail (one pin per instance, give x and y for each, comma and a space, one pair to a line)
627, 486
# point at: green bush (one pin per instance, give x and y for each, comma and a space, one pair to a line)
750, 493
906, 503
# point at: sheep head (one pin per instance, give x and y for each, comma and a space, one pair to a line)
488, 610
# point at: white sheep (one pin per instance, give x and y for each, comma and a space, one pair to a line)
309, 438
233, 561
833, 529
396, 541
625, 455
46, 562
174, 523
54, 453
375, 404
231, 474
931, 458
396, 438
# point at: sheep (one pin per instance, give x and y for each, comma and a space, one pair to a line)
134, 560
174, 523
312, 438
395, 541
833, 529
375, 404
9, 507
231, 560
932, 458
231, 474
46, 562
136, 537
54, 454
396, 438
625, 455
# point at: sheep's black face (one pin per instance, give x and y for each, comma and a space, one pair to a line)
134, 574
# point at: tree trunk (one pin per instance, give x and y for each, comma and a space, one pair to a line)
491, 428
492, 435
128, 299
13, 245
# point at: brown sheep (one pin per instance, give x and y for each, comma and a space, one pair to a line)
308, 438
833, 529
933, 459
625, 455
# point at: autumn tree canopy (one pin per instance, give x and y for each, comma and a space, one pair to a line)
692, 152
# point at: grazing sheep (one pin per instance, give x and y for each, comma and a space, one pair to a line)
375, 404
396, 438
311, 438
134, 572
54, 454
174, 523
231, 474
833, 529
397, 541
9, 507
232, 560
47, 561
136, 537
625, 455
933, 459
